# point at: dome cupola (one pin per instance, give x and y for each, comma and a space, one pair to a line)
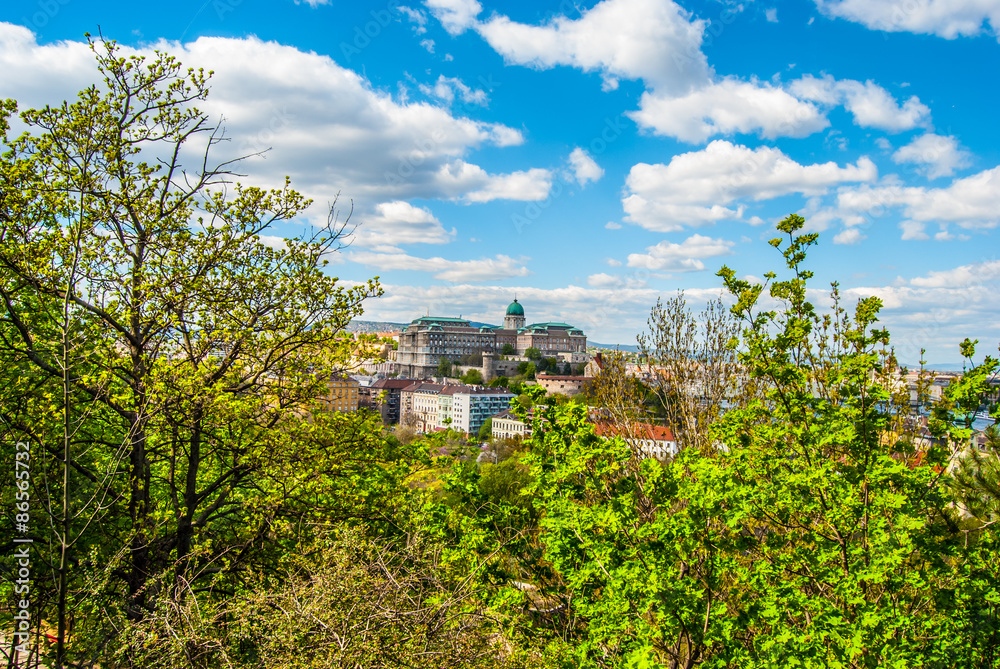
514, 318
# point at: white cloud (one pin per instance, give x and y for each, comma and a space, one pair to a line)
771, 13
849, 236
913, 230
456, 271
604, 280
399, 222
36, 76
935, 155
727, 107
446, 88
417, 17
870, 104
585, 168
944, 18
694, 188
972, 202
330, 130
471, 183
654, 40
965, 276
684, 257
427, 44
611, 225
456, 16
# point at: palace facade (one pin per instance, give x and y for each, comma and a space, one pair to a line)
429, 339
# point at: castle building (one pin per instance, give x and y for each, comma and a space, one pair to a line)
429, 339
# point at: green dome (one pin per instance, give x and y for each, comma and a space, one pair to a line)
515, 309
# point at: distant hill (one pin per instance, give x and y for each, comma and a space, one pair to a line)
374, 326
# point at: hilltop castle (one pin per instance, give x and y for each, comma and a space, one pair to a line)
429, 339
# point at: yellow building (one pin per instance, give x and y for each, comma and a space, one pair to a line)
342, 394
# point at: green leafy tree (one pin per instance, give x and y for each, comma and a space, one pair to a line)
473, 377
508, 349
444, 367
532, 353
802, 536
486, 430
201, 343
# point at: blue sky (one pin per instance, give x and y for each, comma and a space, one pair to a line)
591, 157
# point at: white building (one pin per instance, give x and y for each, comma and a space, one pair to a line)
509, 426
469, 407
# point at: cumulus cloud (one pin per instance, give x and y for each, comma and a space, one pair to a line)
913, 230
849, 236
684, 257
471, 183
604, 280
660, 43
456, 16
945, 18
695, 188
456, 271
871, 105
585, 169
971, 203
653, 40
965, 276
727, 107
934, 155
399, 222
329, 129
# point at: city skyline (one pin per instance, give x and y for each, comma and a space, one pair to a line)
591, 157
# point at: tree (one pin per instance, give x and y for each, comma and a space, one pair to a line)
810, 535
201, 342
473, 377
444, 367
486, 430
474, 359
532, 353
508, 349
692, 368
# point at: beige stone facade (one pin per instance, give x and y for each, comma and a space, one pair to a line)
429, 339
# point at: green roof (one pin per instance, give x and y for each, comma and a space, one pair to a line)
546, 326
439, 319
515, 308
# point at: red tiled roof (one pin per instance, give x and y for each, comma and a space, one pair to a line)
392, 384
638, 431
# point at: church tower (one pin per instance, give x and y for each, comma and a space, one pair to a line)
515, 316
